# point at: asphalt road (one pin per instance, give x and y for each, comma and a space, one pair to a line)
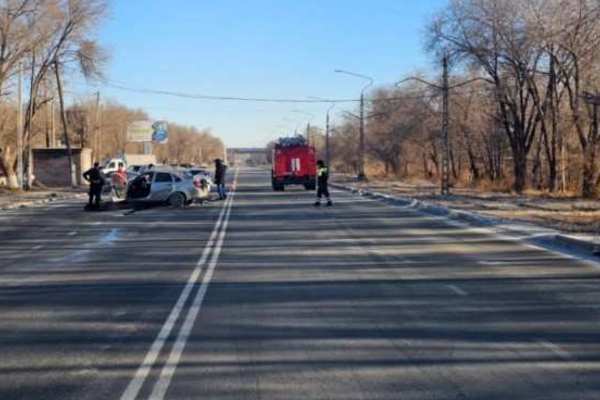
266, 297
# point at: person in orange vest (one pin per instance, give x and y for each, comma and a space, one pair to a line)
322, 184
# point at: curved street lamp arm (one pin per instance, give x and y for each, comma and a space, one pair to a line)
368, 78
469, 82
348, 113
415, 78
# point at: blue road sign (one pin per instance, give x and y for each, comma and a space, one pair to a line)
161, 132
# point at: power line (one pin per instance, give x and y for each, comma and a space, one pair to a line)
225, 98
119, 86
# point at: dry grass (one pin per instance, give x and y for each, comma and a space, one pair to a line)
559, 211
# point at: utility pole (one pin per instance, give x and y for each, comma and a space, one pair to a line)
445, 88
361, 147
97, 139
20, 128
308, 133
327, 149
445, 126
52, 122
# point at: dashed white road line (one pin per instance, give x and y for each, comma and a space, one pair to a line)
38, 247
166, 375
145, 367
458, 290
492, 263
557, 350
72, 233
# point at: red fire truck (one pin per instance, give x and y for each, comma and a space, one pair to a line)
294, 163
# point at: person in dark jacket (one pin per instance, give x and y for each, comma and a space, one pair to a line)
322, 184
220, 170
96, 179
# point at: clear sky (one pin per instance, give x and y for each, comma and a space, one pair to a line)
258, 48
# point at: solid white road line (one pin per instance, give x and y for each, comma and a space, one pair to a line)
458, 290
557, 350
144, 369
166, 375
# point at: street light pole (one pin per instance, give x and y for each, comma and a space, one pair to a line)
361, 150
97, 139
445, 126
20, 128
328, 137
445, 88
327, 132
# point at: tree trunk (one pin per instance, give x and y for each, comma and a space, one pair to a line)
588, 189
472, 163
536, 170
6, 165
552, 175
520, 170
63, 116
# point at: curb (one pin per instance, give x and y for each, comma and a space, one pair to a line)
578, 244
545, 236
426, 207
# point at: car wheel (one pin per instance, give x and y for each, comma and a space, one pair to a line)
177, 200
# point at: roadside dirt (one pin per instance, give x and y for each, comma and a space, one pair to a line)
15, 198
566, 214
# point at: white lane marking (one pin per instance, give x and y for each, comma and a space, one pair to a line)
557, 350
458, 290
166, 375
493, 262
72, 233
144, 369
38, 247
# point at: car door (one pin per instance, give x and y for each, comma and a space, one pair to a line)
162, 186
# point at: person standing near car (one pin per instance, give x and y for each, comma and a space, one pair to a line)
322, 184
119, 181
220, 170
96, 180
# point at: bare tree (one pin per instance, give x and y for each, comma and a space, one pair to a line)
493, 37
